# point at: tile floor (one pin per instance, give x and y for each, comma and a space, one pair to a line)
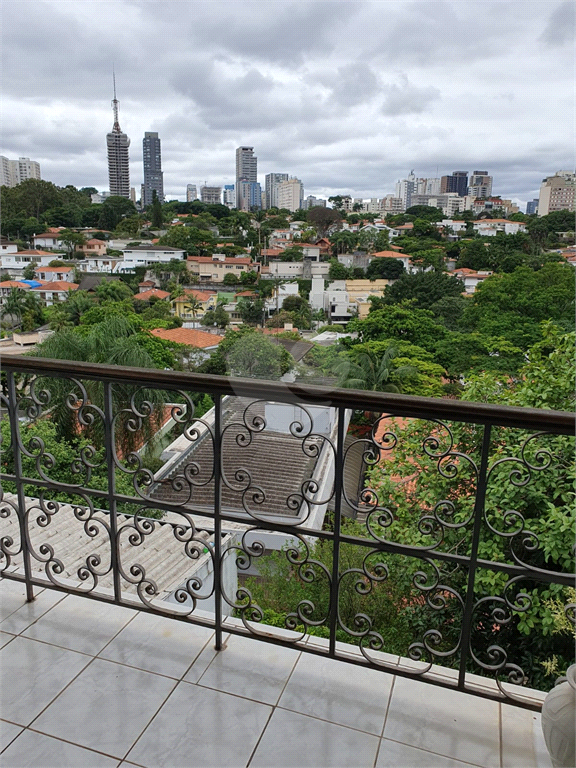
85, 684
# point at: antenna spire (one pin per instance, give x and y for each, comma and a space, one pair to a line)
116, 127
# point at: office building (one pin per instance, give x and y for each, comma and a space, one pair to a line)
273, 181
457, 182
532, 207
211, 194
153, 176
118, 156
191, 193
557, 193
246, 171
480, 185
16, 171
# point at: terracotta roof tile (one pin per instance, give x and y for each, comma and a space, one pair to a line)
154, 292
189, 336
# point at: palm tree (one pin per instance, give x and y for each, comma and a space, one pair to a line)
373, 373
15, 304
112, 342
193, 305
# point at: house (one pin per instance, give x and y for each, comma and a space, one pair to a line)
145, 285
6, 246
153, 293
6, 287
213, 269
15, 262
470, 277
92, 247
201, 343
96, 264
145, 255
403, 258
48, 240
181, 304
401, 229
54, 291
55, 274
492, 227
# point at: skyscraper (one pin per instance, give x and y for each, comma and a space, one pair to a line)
191, 193
246, 171
153, 176
480, 185
273, 181
457, 182
118, 158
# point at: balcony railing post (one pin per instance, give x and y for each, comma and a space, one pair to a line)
473, 562
111, 470
338, 483
218, 522
18, 474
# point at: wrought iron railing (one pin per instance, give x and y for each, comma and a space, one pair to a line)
440, 568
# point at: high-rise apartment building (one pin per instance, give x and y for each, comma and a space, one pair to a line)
531, 207
191, 193
118, 156
457, 182
273, 181
557, 193
405, 188
291, 194
229, 196
211, 194
153, 176
480, 185
16, 171
246, 171
248, 196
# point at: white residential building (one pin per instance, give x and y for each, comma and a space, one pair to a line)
557, 193
291, 194
144, 255
16, 171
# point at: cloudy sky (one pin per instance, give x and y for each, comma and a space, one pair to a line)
348, 96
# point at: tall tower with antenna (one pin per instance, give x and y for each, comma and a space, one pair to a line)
118, 157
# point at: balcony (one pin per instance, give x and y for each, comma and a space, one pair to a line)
139, 619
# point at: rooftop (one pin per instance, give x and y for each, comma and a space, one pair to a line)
189, 336
94, 684
153, 293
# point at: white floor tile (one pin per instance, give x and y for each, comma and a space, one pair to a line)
5, 638
201, 727
8, 732
251, 668
106, 708
338, 692
392, 754
447, 722
80, 624
203, 661
293, 740
158, 644
27, 613
35, 750
33, 674
520, 731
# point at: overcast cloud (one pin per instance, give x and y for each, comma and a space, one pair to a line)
348, 96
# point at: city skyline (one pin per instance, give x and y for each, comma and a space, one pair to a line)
378, 89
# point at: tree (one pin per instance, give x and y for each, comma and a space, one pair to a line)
513, 305
337, 270
373, 372
230, 279
425, 288
156, 217
425, 212
292, 253
249, 278
251, 310
385, 268
255, 356
294, 303
193, 305
400, 321
15, 304
113, 290
29, 271
113, 210
322, 219
218, 317
71, 240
